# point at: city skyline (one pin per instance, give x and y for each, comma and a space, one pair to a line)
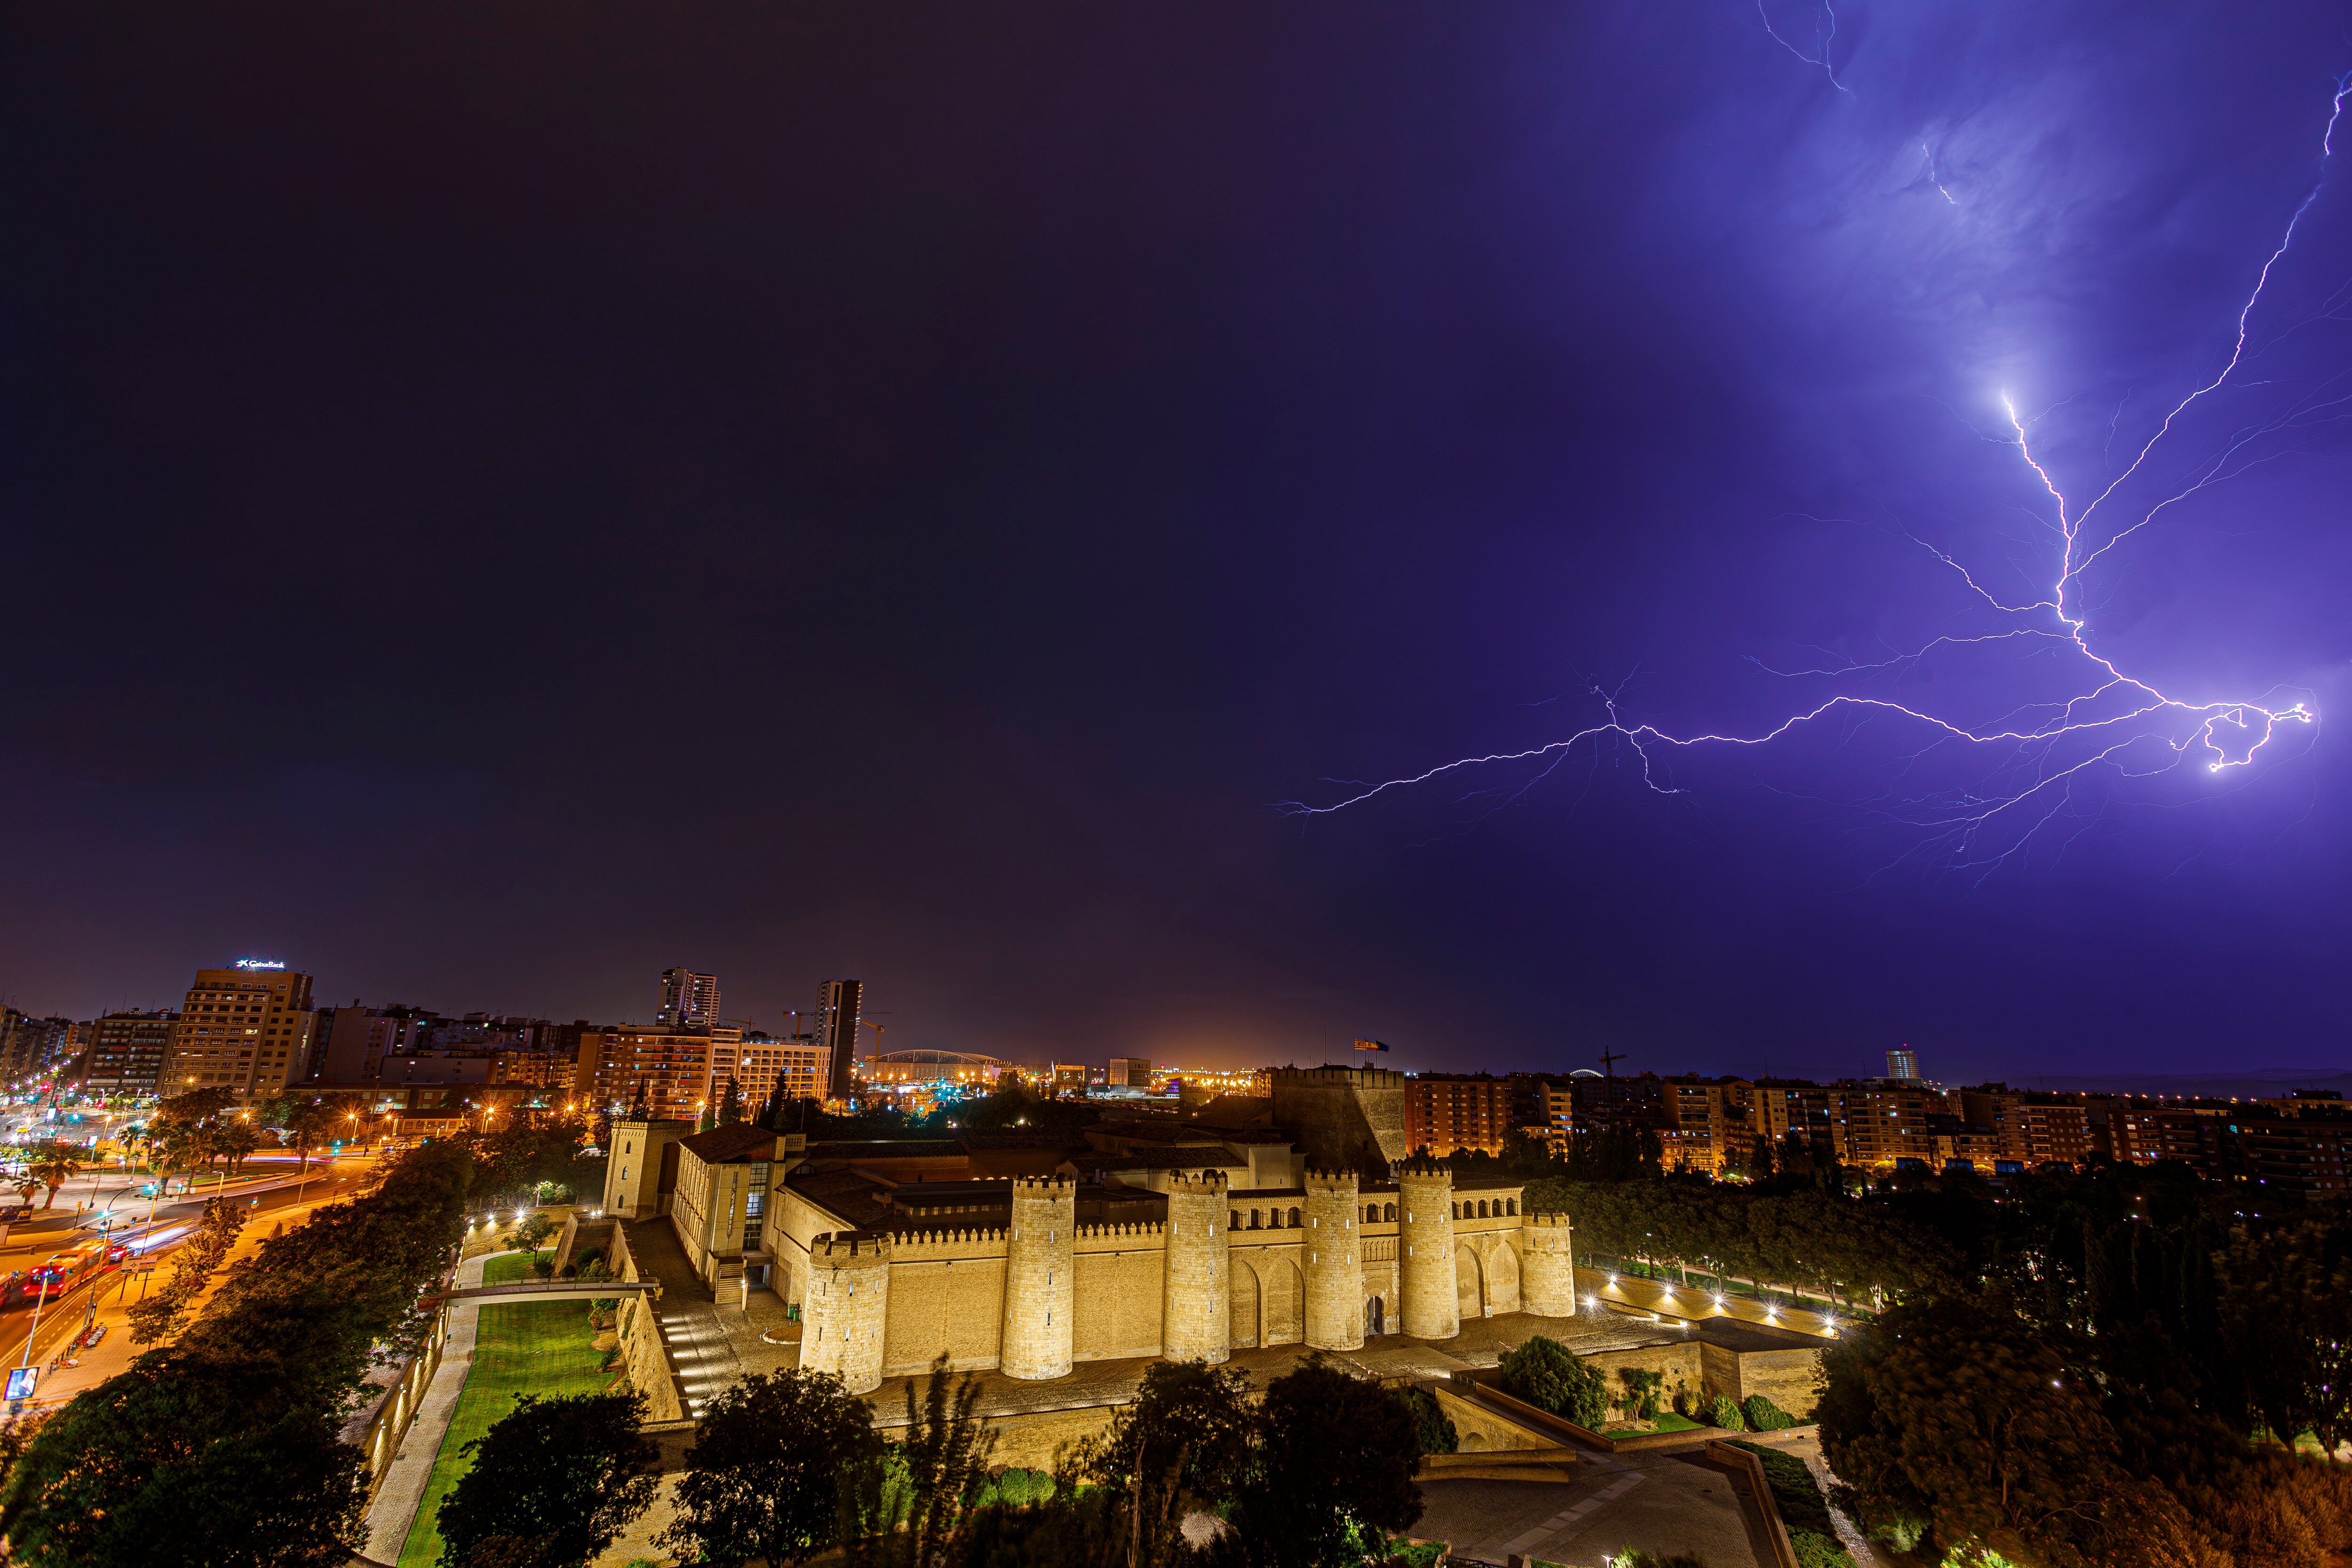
1029, 494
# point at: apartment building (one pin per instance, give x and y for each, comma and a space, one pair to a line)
245, 1028
126, 1052
758, 1062
1444, 1113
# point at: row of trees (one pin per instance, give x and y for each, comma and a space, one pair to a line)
222, 1446
1831, 1247
2126, 1366
788, 1464
205, 1127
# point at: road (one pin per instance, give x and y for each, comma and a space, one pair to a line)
61, 1319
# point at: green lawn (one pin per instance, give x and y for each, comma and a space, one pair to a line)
508, 1268
1670, 1422
535, 1347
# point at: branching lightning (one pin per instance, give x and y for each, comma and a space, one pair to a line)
2116, 721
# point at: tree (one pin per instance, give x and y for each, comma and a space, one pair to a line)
53, 1165
1549, 1375
1334, 1474
730, 1103
311, 1120
1187, 1438
765, 1476
162, 1311
531, 1234
564, 1475
1437, 1434
2286, 1317
183, 1462
935, 1475
1956, 1428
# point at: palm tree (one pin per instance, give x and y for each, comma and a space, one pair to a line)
53, 1165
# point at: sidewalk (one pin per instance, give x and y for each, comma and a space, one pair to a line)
395, 1509
120, 1291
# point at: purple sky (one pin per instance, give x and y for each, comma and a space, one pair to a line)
503, 501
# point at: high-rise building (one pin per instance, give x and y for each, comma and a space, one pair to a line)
836, 1031
670, 1067
29, 1046
689, 1000
1902, 1064
245, 1028
1446, 1112
126, 1052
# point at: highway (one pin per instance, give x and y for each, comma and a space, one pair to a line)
61, 1318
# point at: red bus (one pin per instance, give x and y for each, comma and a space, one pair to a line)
63, 1270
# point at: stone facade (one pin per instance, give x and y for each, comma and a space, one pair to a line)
849, 1309
1547, 1269
1432, 1286
1197, 1292
1353, 1117
1335, 1280
1041, 1280
1329, 1263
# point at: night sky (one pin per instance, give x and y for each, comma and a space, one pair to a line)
501, 500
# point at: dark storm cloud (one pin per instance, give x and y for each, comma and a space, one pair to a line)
501, 503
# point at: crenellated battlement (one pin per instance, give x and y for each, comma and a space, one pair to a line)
1201, 1183
1550, 1221
1110, 1229
1337, 1181
948, 1235
1421, 1168
843, 1246
1054, 1186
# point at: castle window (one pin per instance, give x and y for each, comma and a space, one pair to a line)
1514, 1205
1253, 1219
1294, 1219
1388, 1210
1371, 1213
1482, 1210
1233, 1219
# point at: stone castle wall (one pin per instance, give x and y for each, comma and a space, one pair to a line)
1351, 1117
847, 1309
1040, 1279
1197, 1277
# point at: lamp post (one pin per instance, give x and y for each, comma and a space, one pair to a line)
39, 1302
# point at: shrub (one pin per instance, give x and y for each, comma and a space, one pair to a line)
1818, 1550
1641, 1397
1763, 1415
1721, 1412
1016, 1487
1794, 1490
1549, 1375
1436, 1432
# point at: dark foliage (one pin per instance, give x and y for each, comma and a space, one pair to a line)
562, 1476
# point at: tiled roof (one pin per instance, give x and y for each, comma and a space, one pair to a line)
737, 1141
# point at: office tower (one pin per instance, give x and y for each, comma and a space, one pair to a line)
836, 1030
689, 1000
126, 1052
245, 1028
1902, 1064
1127, 1073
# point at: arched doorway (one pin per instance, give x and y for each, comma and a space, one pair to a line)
1469, 1284
1503, 1280
1372, 1322
1244, 1318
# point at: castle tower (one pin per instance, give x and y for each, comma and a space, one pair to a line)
1547, 1270
1432, 1310
1040, 1277
848, 1301
1335, 1276
1197, 1318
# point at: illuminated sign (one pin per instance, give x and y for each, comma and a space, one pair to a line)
21, 1380
259, 964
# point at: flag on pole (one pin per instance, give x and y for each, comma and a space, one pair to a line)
1372, 1045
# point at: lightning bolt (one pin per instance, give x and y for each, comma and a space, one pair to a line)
1825, 33
2114, 719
